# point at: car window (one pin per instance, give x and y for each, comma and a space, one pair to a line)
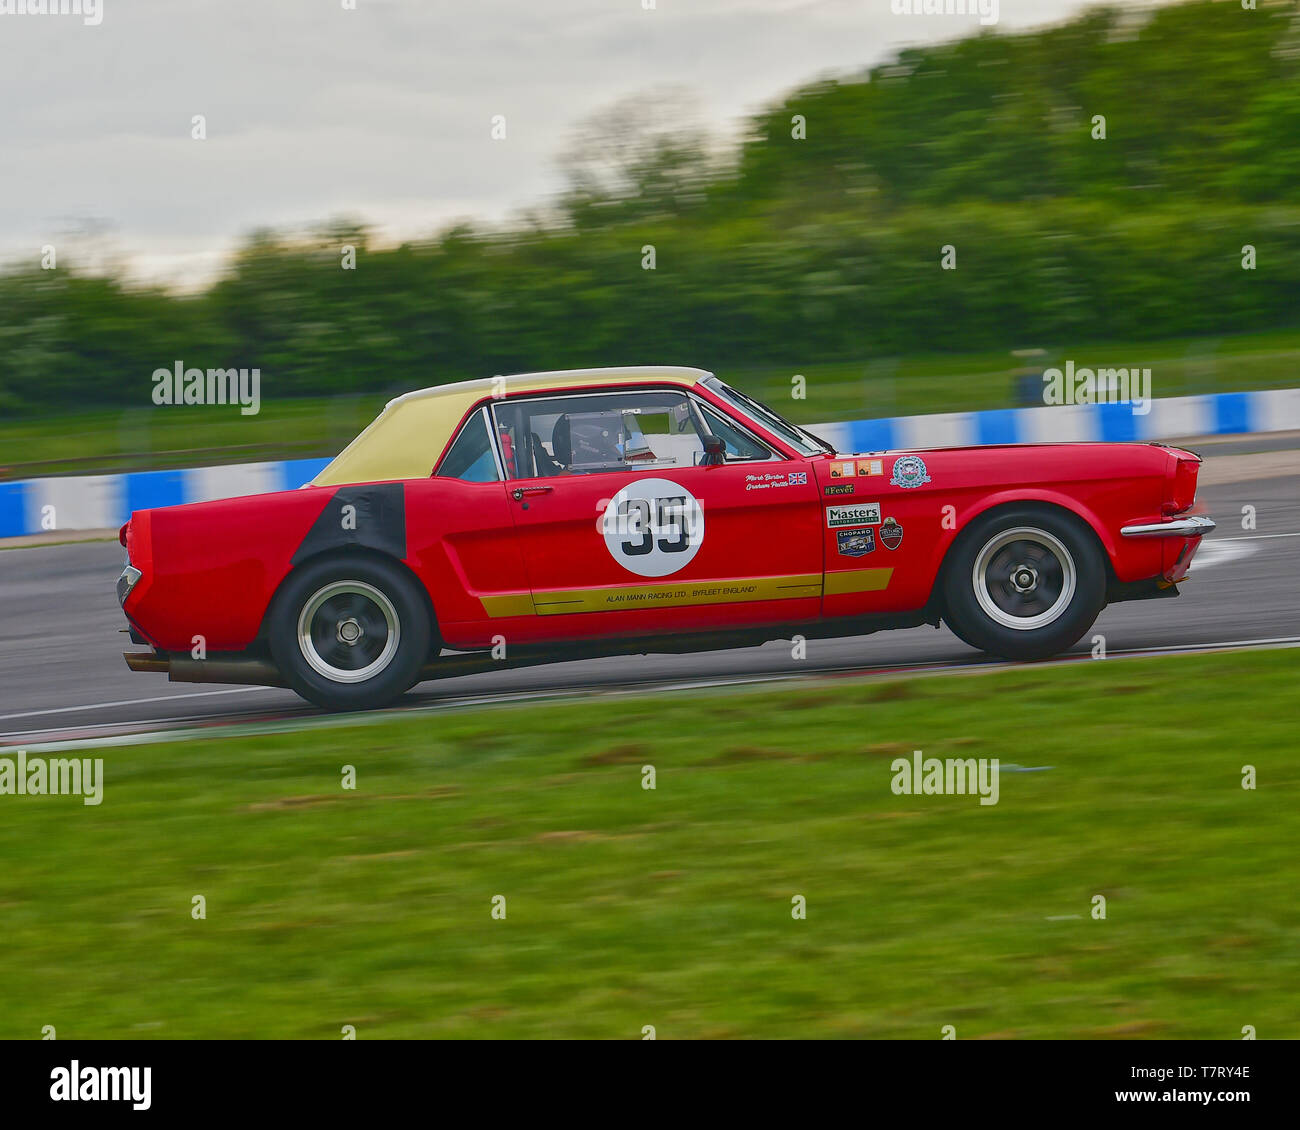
802, 440
740, 445
470, 457
598, 433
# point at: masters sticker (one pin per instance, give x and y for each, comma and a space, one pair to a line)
653, 527
855, 543
909, 471
860, 514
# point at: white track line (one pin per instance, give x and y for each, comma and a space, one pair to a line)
1250, 537
1203, 646
135, 702
198, 721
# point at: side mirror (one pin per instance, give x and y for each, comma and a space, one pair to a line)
715, 452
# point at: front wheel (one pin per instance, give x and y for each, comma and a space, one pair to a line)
1024, 583
350, 634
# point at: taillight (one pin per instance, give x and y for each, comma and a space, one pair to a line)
1183, 487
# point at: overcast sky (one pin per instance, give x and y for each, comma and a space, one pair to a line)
382, 113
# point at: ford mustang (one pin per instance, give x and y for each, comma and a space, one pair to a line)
552, 516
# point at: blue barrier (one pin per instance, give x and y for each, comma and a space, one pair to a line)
106, 501
13, 516
1179, 417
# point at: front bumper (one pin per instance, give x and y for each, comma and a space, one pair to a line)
1195, 526
1180, 539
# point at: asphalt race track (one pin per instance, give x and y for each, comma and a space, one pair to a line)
62, 674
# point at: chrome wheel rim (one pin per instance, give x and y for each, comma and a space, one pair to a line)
348, 631
1024, 578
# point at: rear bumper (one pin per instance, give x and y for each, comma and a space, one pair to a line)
126, 582
1195, 526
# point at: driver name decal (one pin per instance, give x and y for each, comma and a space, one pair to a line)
653, 527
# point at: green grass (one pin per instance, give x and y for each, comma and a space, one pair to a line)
672, 907
921, 384
150, 436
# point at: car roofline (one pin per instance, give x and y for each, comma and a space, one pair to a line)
559, 379
412, 432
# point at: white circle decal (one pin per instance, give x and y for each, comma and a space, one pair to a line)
653, 527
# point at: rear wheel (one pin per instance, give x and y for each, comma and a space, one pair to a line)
350, 633
1024, 583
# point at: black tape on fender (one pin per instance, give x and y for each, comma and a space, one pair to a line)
373, 517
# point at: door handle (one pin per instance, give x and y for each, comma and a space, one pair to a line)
519, 492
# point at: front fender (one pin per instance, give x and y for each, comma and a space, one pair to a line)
1130, 560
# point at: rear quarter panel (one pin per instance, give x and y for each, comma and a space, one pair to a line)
212, 567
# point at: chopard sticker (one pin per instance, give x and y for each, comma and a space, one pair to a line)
840, 488
909, 471
855, 543
891, 534
859, 514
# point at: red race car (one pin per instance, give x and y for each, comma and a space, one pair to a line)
554, 516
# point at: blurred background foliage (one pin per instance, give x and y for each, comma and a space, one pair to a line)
779, 252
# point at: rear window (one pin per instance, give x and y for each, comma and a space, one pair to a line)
470, 457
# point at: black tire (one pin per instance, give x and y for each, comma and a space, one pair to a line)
1043, 579
367, 632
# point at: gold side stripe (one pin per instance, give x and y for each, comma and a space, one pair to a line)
678, 594
508, 604
857, 580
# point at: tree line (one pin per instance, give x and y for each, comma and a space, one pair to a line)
1117, 177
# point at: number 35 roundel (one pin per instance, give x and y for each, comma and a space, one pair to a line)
653, 527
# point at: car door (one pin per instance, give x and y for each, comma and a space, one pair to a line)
462, 542
625, 530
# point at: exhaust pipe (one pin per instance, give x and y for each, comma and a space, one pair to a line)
470, 663
239, 669
225, 669
140, 661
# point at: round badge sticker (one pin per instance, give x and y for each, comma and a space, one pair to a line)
909, 471
653, 527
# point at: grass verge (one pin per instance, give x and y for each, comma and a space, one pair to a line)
627, 907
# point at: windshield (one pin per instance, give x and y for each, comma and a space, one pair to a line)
799, 438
